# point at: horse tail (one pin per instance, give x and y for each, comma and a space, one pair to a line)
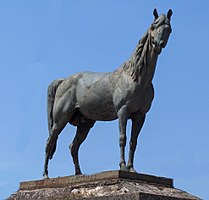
50, 101
51, 143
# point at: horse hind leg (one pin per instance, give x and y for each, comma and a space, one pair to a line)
51, 145
61, 114
81, 133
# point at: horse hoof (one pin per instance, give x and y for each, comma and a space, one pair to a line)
131, 169
124, 168
45, 176
78, 172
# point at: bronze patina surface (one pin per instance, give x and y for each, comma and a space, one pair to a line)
124, 94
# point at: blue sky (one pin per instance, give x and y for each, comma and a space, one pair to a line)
44, 40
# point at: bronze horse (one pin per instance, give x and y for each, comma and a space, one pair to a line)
127, 93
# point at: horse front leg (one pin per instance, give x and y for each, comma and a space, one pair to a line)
122, 119
137, 123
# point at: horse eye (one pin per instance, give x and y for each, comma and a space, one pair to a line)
169, 28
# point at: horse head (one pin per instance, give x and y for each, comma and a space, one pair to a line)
160, 30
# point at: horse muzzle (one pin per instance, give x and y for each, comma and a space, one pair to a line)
158, 46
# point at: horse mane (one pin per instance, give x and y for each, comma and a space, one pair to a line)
138, 60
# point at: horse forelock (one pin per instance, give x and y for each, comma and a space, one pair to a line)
162, 19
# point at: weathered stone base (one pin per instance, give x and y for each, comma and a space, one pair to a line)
112, 185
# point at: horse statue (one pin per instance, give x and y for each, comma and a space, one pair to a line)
126, 93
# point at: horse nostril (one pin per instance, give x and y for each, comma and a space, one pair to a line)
162, 43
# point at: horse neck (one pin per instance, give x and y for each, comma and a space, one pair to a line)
141, 65
150, 66
145, 63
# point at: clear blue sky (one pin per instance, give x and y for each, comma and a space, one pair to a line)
44, 40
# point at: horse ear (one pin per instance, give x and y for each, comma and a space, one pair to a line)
155, 13
169, 14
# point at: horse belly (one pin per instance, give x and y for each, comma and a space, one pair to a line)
98, 110
96, 106
94, 96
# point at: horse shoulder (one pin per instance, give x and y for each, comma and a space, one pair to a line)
126, 92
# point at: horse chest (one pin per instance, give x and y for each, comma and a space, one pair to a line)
135, 98
127, 94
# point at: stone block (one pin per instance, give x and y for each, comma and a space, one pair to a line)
111, 185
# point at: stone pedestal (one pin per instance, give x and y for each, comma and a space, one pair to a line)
111, 185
